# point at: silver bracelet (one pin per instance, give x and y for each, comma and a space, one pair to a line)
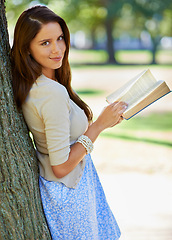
86, 143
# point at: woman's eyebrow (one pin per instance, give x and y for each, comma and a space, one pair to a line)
48, 39
44, 40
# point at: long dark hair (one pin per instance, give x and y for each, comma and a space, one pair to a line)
25, 69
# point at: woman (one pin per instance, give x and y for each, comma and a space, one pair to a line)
61, 123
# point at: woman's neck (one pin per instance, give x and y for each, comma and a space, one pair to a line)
49, 74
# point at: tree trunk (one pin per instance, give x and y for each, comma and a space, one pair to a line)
93, 39
154, 49
110, 47
21, 213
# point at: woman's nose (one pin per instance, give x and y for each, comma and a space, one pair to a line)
55, 48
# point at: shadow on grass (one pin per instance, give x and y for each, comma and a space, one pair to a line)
131, 138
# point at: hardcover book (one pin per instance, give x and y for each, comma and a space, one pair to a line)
139, 93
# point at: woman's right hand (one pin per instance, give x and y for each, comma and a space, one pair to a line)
111, 115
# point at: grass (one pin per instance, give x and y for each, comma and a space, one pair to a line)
143, 56
131, 57
79, 57
127, 130
87, 56
89, 92
147, 125
152, 122
152, 128
138, 139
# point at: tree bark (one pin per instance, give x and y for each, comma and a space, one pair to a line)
21, 213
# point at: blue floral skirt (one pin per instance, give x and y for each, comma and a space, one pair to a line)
81, 213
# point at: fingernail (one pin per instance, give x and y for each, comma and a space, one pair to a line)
123, 110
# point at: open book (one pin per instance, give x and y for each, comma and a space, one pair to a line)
139, 93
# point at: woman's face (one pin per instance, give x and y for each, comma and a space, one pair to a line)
48, 48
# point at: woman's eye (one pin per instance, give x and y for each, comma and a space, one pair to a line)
45, 43
61, 38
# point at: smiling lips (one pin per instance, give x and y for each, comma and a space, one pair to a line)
57, 59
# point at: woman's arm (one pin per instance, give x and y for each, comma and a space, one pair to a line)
110, 116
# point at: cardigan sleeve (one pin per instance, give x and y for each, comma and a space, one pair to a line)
54, 112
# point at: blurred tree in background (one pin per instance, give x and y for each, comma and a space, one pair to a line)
101, 24
149, 14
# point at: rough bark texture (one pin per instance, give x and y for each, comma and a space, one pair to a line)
21, 214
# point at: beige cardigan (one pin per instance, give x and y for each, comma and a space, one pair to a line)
56, 122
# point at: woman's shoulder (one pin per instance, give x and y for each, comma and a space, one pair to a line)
46, 91
46, 86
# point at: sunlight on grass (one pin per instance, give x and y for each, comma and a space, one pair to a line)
144, 129
139, 56
138, 139
87, 56
155, 128
152, 122
164, 56
139, 128
122, 56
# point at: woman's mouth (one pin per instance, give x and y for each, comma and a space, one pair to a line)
57, 59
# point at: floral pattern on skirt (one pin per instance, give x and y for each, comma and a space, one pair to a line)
81, 213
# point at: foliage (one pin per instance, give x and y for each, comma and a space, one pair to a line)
88, 14
104, 20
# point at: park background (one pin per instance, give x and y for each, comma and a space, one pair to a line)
112, 41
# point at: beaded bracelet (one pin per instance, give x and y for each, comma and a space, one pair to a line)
86, 143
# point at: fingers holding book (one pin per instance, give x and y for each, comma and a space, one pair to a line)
112, 114
140, 92
119, 109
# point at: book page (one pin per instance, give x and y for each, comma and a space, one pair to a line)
122, 90
136, 86
159, 91
135, 99
140, 88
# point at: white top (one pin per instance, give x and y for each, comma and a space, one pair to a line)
56, 122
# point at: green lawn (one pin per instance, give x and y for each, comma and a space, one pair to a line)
122, 56
128, 130
152, 122
151, 129
155, 128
